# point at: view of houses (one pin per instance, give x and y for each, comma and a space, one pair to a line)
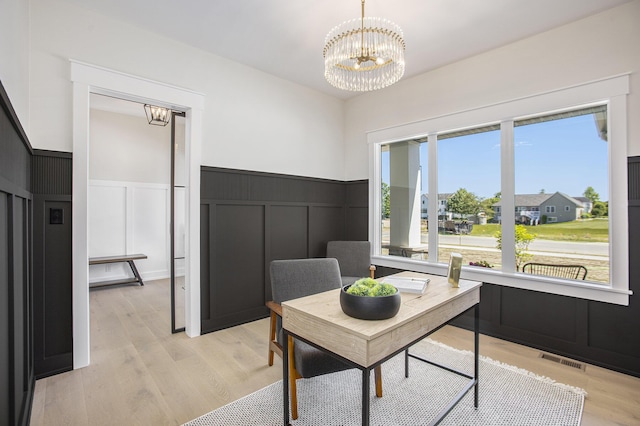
530, 209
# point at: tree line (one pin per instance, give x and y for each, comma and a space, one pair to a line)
463, 203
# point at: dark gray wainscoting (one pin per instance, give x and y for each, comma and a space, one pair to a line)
17, 378
53, 324
248, 219
598, 333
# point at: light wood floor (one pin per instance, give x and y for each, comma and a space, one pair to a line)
140, 374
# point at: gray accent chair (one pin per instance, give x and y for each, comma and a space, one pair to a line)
291, 279
354, 258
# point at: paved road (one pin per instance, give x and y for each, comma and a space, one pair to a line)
592, 249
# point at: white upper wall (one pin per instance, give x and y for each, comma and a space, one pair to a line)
14, 56
258, 122
252, 120
127, 148
599, 46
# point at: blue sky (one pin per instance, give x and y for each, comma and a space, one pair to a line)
563, 155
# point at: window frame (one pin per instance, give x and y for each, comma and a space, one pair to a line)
611, 91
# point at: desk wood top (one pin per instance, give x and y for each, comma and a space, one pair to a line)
320, 319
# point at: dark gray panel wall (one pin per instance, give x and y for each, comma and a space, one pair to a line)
249, 219
53, 322
19, 306
51, 173
17, 379
5, 322
205, 266
236, 280
288, 228
598, 333
357, 211
326, 223
614, 331
526, 316
52, 260
15, 150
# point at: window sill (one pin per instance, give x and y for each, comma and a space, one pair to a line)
561, 287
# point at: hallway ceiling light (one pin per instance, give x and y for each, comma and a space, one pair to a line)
158, 116
364, 54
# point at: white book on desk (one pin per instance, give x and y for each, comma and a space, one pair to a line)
407, 284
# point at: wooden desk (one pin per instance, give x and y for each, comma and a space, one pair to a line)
319, 321
129, 258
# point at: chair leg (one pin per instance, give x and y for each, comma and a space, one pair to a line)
293, 376
377, 372
272, 335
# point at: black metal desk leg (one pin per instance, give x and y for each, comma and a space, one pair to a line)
285, 376
366, 373
476, 343
406, 363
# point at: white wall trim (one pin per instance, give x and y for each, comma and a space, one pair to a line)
86, 79
120, 271
564, 98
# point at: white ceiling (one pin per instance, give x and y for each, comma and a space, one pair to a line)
285, 37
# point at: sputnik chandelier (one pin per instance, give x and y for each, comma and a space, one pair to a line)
364, 54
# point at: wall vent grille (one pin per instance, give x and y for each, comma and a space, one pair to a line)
563, 361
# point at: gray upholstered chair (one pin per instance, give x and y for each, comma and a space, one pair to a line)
291, 279
354, 258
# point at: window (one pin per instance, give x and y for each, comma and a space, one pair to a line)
469, 178
404, 228
472, 174
574, 145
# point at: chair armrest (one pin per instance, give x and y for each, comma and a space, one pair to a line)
275, 307
372, 270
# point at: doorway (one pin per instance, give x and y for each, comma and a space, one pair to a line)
137, 207
89, 79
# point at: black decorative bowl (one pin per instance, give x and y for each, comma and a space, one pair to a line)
369, 307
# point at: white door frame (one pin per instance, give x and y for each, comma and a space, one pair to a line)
87, 79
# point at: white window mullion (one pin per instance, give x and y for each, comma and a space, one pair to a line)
375, 199
507, 184
432, 148
618, 201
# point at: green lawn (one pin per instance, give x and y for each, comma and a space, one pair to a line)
594, 230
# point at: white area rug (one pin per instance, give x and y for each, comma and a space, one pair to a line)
508, 396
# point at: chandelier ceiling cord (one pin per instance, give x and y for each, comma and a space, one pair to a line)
364, 54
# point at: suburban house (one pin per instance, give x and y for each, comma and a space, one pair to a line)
273, 165
442, 206
587, 204
544, 208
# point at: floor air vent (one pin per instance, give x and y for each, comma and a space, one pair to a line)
563, 361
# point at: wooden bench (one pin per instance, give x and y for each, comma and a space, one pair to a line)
129, 258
